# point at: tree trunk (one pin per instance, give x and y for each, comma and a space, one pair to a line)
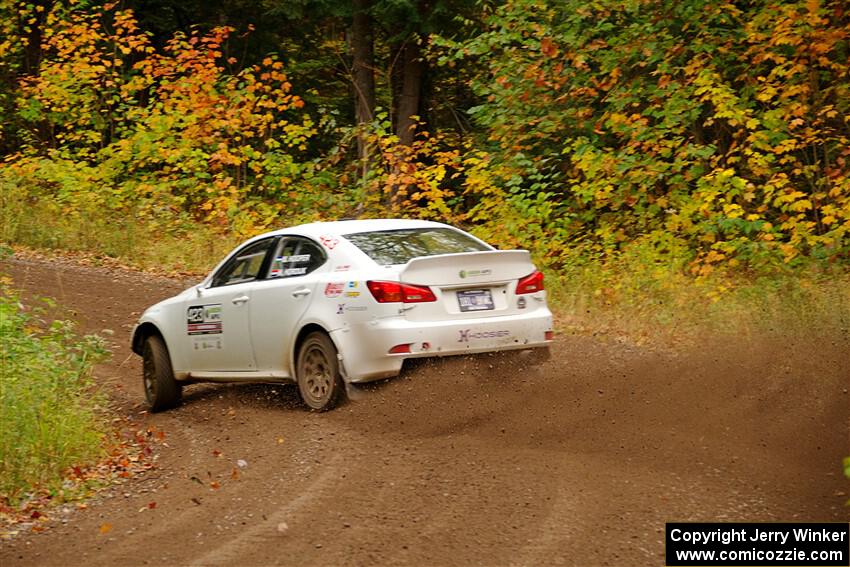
410, 98
363, 76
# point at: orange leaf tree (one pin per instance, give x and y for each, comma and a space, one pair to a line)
124, 126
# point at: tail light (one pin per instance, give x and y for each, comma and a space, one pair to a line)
530, 283
394, 292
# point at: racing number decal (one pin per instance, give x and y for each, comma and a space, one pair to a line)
204, 319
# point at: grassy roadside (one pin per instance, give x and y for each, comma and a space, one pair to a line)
51, 412
60, 441
676, 309
166, 248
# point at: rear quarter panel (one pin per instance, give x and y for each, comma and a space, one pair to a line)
342, 302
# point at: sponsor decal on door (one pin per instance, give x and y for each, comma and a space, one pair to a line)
204, 319
334, 289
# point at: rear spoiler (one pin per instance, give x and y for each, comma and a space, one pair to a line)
468, 268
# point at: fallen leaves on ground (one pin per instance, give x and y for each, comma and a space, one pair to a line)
129, 453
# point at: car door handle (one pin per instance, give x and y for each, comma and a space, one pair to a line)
300, 292
240, 299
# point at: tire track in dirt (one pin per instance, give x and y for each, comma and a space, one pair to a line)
554, 533
273, 527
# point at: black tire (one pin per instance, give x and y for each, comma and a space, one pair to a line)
317, 372
161, 389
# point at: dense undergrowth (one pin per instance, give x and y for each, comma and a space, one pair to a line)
699, 136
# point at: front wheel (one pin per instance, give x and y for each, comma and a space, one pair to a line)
161, 389
317, 372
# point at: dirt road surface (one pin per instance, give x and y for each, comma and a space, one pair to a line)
580, 461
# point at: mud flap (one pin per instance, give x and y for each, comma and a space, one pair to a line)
342, 371
351, 391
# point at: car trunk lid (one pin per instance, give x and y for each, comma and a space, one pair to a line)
468, 284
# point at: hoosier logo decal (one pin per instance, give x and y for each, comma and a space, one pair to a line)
467, 335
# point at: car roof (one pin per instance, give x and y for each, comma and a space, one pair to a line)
318, 230
341, 228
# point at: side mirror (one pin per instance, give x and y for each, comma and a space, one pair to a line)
198, 289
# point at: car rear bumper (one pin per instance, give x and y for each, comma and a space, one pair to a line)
365, 348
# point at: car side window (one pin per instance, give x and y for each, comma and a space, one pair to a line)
245, 265
296, 256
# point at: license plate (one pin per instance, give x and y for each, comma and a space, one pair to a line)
475, 300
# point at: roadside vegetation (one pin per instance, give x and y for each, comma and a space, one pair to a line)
51, 412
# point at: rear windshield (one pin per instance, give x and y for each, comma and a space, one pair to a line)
389, 247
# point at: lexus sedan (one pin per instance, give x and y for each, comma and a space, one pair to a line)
327, 303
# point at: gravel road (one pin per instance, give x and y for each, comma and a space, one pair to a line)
469, 461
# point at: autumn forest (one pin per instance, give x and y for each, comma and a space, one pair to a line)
697, 138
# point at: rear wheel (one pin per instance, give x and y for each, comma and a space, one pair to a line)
161, 389
317, 371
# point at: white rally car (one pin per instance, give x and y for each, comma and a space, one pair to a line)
323, 303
